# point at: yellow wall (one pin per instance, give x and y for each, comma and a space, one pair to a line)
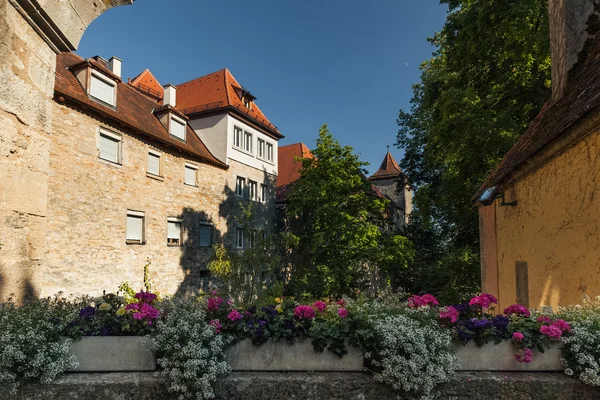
554, 228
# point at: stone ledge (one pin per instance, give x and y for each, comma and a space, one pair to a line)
311, 386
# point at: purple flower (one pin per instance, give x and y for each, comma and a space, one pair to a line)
553, 332
450, 313
475, 323
105, 331
544, 319
215, 323
421, 301
87, 312
463, 307
270, 310
320, 306
145, 297
484, 300
518, 337
500, 322
562, 325
524, 356
214, 303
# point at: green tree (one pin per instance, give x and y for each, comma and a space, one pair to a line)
488, 78
338, 220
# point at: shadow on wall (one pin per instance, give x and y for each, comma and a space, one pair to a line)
200, 232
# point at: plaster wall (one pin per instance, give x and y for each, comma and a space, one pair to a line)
554, 229
251, 160
213, 132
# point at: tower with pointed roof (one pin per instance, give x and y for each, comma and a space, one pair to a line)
391, 181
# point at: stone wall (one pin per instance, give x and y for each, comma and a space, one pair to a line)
26, 86
312, 386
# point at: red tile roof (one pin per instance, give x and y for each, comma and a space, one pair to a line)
555, 120
288, 168
388, 169
218, 91
133, 109
148, 84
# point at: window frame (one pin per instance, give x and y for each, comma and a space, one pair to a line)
237, 130
136, 214
263, 193
193, 167
252, 190
179, 221
103, 132
180, 121
108, 81
205, 224
239, 234
269, 150
158, 154
239, 189
248, 138
261, 147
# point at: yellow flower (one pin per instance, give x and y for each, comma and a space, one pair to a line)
277, 300
278, 308
105, 307
121, 311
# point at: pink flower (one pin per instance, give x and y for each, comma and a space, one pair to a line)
518, 337
234, 316
214, 303
420, 301
320, 306
553, 332
343, 313
518, 309
341, 302
449, 312
230, 302
306, 312
215, 323
484, 300
524, 356
562, 325
213, 292
544, 320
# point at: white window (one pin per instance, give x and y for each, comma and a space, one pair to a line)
270, 152
109, 146
173, 232
154, 163
237, 137
247, 142
263, 193
205, 232
177, 127
247, 103
239, 186
191, 175
135, 227
103, 89
260, 151
251, 238
252, 188
239, 238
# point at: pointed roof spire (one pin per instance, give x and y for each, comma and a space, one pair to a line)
389, 168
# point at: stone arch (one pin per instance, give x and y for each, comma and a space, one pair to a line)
62, 23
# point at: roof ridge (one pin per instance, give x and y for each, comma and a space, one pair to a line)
139, 76
225, 72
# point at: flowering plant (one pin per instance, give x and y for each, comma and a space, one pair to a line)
30, 342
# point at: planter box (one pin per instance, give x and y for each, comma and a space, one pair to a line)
500, 357
113, 354
280, 356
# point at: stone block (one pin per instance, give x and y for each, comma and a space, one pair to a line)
281, 356
501, 357
113, 354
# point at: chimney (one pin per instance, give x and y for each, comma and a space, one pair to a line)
114, 64
170, 95
573, 23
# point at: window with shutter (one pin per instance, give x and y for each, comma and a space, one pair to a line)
110, 147
191, 175
154, 163
174, 232
135, 227
178, 128
102, 89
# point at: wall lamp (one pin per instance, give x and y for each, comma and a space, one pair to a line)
490, 194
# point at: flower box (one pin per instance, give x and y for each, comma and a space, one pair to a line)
113, 354
281, 356
501, 357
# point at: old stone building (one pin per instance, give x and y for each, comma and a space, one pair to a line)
539, 210
391, 182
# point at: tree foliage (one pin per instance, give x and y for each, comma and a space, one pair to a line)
338, 221
488, 78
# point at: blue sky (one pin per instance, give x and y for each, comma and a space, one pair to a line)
348, 63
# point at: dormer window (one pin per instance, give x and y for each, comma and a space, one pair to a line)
247, 103
103, 89
177, 127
